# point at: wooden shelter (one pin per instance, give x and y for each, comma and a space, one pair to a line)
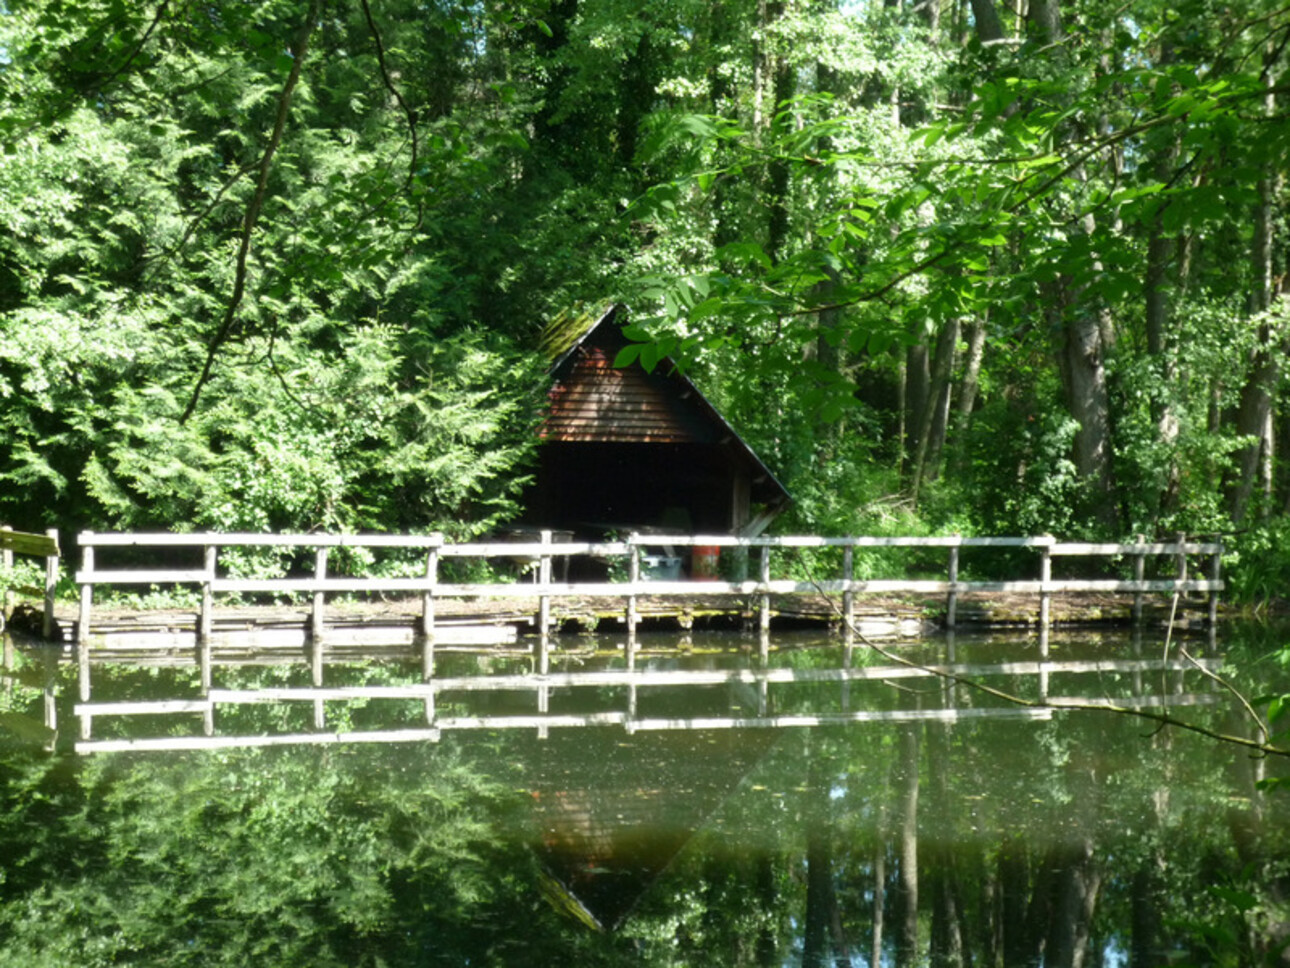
629, 450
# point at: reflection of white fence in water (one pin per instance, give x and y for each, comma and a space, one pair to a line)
749, 687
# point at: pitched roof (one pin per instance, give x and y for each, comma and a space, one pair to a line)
593, 401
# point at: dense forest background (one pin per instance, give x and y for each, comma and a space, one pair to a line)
958, 264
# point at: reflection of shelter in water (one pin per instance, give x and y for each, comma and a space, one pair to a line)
611, 817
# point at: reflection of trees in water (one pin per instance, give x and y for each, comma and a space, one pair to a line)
984, 843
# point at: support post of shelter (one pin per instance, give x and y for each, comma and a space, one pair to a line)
952, 601
633, 578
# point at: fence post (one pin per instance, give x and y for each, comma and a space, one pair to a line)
633, 578
51, 584
1045, 577
1215, 576
1139, 574
544, 580
6, 562
952, 602
848, 593
316, 635
206, 620
428, 616
428, 625
83, 623
205, 623
763, 578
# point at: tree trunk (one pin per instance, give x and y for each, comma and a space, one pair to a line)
1254, 420
1086, 335
918, 380
988, 26
777, 172
968, 387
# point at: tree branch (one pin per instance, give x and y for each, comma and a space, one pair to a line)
299, 50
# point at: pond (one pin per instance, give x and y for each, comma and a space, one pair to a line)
673, 820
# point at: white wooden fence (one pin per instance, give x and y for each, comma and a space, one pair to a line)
629, 552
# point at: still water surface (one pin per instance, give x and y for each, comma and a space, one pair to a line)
949, 828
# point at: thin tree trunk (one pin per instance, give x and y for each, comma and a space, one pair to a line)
777, 172
935, 411
942, 375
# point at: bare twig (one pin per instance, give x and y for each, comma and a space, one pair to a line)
408, 111
1262, 747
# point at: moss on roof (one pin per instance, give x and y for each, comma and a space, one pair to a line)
565, 330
